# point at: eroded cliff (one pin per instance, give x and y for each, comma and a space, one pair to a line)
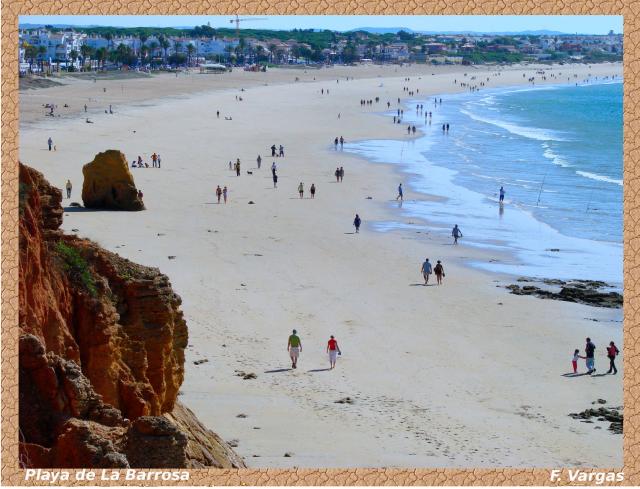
102, 344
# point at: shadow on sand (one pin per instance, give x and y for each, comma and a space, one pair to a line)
277, 371
319, 370
85, 209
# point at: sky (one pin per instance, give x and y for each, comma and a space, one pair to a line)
582, 24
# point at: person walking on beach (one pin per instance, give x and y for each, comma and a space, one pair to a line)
238, 167
335, 143
313, 190
408, 129
341, 142
400, 194
612, 352
456, 233
158, 160
259, 161
219, 193
273, 150
294, 346
218, 114
282, 151
590, 349
224, 194
275, 180
301, 189
50, 143
341, 173
501, 194
337, 174
68, 187
154, 158
439, 271
426, 270
333, 350
356, 222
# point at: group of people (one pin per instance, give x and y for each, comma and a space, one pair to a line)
155, 162
222, 193
427, 269
589, 357
312, 189
339, 174
368, 102
277, 151
235, 167
294, 347
337, 141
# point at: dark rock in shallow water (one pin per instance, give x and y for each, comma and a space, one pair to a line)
579, 291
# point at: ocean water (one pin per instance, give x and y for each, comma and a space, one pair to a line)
557, 150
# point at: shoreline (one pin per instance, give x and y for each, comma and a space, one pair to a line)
402, 169
248, 274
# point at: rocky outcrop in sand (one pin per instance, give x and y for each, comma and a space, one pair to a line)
108, 183
101, 353
613, 415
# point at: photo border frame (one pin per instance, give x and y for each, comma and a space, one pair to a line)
12, 475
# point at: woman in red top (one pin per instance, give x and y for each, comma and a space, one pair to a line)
333, 349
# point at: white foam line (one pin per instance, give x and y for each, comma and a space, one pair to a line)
601, 178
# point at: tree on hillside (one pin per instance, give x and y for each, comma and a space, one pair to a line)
153, 46
74, 56
30, 53
164, 44
86, 51
109, 37
272, 53
144, 53
190, 50
349, 53
101, 56
42, 51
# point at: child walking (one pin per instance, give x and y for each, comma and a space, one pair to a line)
574, 361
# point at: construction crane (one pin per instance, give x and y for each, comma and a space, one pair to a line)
237, 20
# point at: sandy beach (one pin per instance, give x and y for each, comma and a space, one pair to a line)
462, 375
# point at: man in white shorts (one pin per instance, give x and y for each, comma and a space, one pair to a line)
295, 347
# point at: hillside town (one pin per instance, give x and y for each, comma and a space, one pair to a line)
50, 49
